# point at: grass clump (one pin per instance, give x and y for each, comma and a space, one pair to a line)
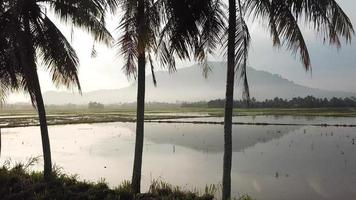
165, 191
17, 183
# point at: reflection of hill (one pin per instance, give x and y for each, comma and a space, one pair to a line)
209, 138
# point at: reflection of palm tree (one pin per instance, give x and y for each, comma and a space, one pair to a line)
168, 28
30, 34
283, 16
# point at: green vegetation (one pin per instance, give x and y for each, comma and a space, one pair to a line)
95, 105
298, 102
310, 112
174, 110
83, 115
18, 183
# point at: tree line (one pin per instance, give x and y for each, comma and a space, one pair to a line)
151, 32
297, 102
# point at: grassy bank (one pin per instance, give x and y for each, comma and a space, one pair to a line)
17, 183
19, 118
174, 111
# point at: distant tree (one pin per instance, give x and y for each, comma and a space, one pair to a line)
95, 106
297, 102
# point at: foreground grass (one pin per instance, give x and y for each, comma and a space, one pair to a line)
19, 184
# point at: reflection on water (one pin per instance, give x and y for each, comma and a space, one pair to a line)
209, 138
269, 162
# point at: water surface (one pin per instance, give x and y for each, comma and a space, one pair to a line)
269, 162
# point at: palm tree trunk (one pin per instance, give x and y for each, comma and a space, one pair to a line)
229, 100
44, 129
140, 113
35, 89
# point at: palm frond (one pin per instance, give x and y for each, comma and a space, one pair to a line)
283, 26
189, 27
152, 70
213, 24
27, 57
206, 68
242, 45
84, 14
9, 61
57, 54
94, 53
179, 32
325, 16
288, 29
112, 5
128, 43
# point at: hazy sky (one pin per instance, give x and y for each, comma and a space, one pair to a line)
332, 69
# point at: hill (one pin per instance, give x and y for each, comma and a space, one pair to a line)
188, 84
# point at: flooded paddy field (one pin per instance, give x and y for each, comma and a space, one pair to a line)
329, 116
273, 162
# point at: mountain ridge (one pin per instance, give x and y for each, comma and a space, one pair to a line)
188, 84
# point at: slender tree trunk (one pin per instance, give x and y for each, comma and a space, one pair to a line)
46, 147
140, 113
229, 99
35, 90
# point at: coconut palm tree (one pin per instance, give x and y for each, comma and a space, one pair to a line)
325, 16
31, 37
167, 29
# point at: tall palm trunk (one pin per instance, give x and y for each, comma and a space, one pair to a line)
31, 71
44, 129
140, 113
229, 100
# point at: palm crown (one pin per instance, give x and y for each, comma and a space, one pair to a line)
172, 28
283, 18
29, 37
27, 20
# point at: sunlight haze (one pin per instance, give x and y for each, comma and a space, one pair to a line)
329, 65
